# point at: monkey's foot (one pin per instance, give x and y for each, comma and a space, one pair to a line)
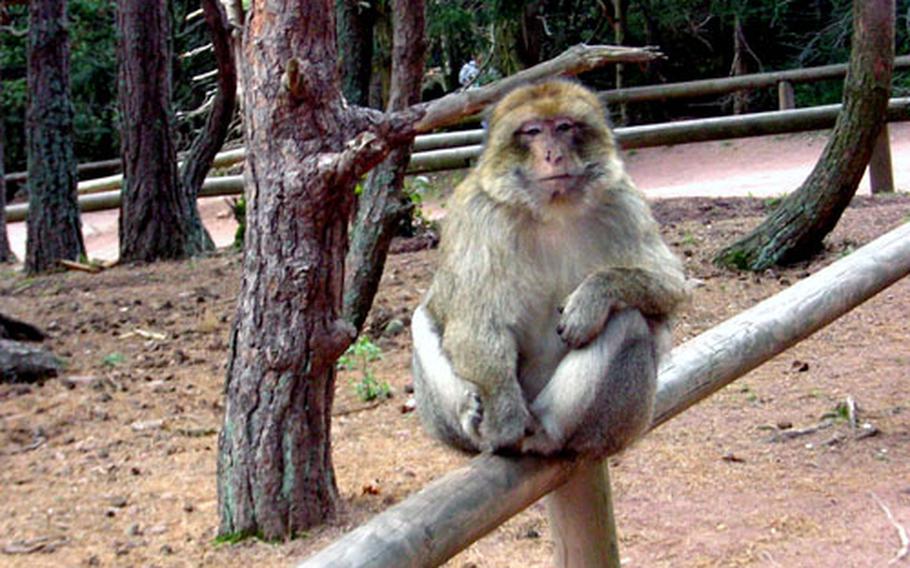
470, 415
541, 442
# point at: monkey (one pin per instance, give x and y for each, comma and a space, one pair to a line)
551, 304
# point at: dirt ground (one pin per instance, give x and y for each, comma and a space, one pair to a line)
113, 464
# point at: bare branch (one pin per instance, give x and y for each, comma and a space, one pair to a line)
901, 531
573, 61
13, 31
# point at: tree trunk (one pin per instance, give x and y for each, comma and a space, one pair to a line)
153, 212
796, 228
740, 98
355, 48
198, 161
54, 228
383, 206
275, 475
620, 12
6, 255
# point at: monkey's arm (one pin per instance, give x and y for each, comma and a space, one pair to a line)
656, 292
485, 354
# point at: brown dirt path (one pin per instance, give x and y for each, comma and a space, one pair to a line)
113, 464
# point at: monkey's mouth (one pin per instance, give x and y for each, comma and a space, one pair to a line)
561, 187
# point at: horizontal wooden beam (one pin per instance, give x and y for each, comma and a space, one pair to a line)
722, 86
107, 193
633, 94
448, 515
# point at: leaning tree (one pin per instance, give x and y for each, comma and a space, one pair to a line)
306, 150
799, 224
54, 228
383, 205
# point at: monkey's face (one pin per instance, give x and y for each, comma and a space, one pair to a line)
547, 147
553, 165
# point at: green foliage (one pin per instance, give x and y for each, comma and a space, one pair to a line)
360, 354
238, 210
369, 388
736, 258
358, 358
93, 82
771, 203
114, 359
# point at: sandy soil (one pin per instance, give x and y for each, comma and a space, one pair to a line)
113, 464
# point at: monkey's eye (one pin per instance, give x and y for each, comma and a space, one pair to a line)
531, 131
564, 127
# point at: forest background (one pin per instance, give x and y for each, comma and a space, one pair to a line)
702, 39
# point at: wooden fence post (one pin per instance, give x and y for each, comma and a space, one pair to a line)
785, 97
582, 521
881, 177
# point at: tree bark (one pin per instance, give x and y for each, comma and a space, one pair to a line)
154, 209
796, 228
199, 159
740, 98
6, 255
54, 228
355, 48
620, 12
383, 206
275, 475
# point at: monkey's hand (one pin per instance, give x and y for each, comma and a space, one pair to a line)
585, 314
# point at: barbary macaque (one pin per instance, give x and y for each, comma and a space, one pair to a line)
543, 326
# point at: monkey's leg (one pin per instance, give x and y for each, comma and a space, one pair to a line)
449, 407
601, 397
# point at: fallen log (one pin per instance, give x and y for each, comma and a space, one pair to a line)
24, 363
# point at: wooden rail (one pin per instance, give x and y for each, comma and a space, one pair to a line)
618, 96
705, 87
104, 193
448, 515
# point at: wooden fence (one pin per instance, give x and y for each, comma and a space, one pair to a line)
448, 515
437, 152
104, 193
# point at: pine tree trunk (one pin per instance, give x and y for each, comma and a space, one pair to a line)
6, 255
740, 98
275, 474
620, 11
153, 211
54, 228
354, 26
383, 206
797, 227
210, 140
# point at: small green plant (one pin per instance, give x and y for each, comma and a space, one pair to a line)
840, 413
358, 358
369, 388
360, 354
238, 210
689, 239
771, 203
114, 359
